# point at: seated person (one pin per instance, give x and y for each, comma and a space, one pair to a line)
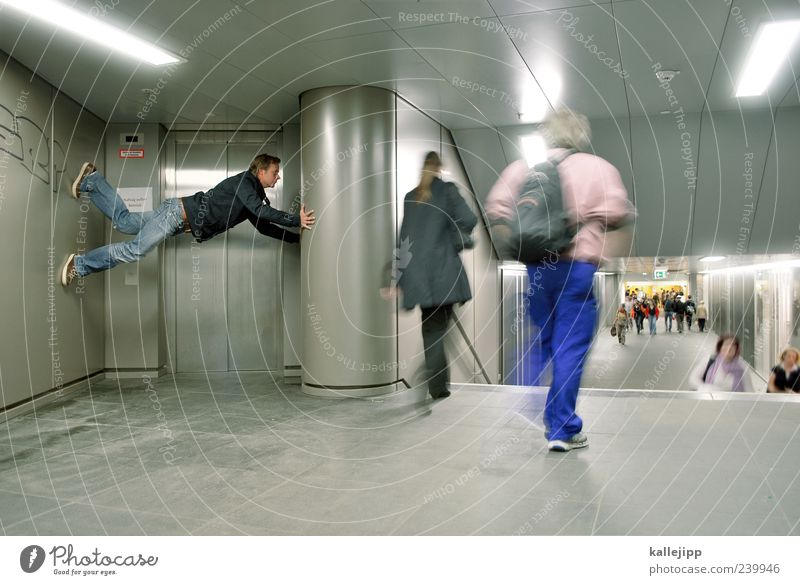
785, 376
725, 371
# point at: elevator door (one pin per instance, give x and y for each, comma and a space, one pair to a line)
228, 288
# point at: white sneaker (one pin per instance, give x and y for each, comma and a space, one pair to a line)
576, 441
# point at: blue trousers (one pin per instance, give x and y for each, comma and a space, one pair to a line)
150, 227
563, 307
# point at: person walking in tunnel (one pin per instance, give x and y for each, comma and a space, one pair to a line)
562, 304
651, 309
668, 304
204, 215
725, 371
638, 315
702, 315
785, 376
620, 324
680, 312
691, 308
436, 226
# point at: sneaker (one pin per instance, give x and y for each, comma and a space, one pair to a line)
68, 271
576, 441
86, 168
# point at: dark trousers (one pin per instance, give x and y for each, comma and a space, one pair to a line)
702, 324
435, 321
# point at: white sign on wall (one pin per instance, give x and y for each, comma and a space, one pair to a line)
137, 199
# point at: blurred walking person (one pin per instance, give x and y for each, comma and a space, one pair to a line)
562, 304
437, 223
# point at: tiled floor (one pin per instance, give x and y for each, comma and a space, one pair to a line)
239, 454
653, 362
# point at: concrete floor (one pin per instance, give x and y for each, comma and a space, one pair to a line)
239, 454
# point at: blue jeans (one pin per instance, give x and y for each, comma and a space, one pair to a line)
150, 227
652, 319
668, 320
563, 307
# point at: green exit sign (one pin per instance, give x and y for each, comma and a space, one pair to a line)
660, 273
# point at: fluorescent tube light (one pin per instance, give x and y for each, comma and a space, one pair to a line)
91, 29
712, 258
770, 48
534, 149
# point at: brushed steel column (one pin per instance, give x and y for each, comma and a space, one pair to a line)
348, 178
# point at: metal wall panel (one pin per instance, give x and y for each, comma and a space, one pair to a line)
134, 306
462, 362
78, 226
253, 283
518, 332
26, 360
52, 336
201, 314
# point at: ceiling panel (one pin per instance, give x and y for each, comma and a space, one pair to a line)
482, 66
776, 225
746, 16
508, 7
193, 23
314, 20
792, 98
664, 194
574, 56
486, 64
678, 35
379, 57
400, 14
733, 153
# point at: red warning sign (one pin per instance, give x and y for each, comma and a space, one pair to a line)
131, 153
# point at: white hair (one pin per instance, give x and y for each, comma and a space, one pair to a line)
567, 129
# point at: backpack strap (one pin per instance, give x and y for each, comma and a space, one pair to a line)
558, 159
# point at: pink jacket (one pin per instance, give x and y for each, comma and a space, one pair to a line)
594, 197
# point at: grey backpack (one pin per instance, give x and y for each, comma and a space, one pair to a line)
540, 227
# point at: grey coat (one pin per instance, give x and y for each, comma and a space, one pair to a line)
430, 270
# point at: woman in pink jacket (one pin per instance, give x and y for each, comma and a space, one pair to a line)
562, 304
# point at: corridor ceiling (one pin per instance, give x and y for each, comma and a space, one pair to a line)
467, 63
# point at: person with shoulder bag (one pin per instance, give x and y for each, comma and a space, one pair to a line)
437, 225
620, 324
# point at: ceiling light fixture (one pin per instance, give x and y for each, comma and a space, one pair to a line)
770, 48
712, 258
666, 75
534, 149
91, 29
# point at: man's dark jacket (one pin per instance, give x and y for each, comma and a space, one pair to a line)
237, 198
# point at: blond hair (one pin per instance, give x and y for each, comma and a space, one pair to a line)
564, 128
430, 169
793, 350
